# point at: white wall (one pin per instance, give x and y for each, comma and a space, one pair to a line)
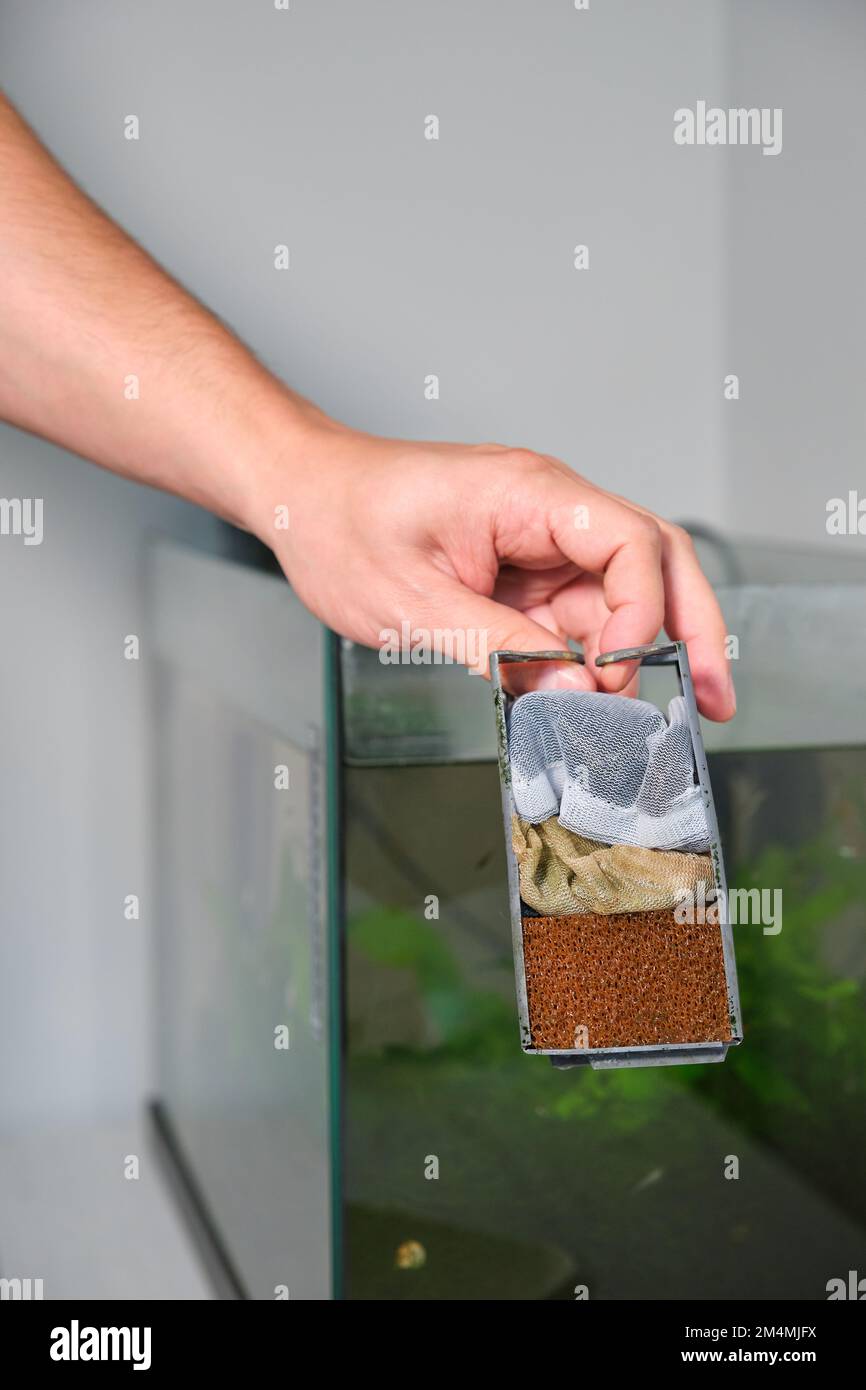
73, 771
797, 436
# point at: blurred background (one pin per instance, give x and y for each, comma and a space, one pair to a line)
408, 257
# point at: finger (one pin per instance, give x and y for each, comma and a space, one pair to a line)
524, 584
579, 607
591, 644
542, 613
624, 547
580, 610
693, 616
548, 675
481, 626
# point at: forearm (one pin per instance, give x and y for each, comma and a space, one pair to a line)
102, 352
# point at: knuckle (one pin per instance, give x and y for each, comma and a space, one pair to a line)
647, 531
679, 536
525, 461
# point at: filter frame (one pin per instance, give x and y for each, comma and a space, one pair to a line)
650, 1054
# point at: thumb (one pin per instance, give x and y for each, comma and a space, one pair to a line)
474, 627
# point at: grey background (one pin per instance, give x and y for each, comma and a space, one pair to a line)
409, 257
795, 287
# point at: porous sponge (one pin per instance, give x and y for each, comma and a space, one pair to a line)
628, 979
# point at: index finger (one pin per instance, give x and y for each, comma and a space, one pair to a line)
693, 616
624, 546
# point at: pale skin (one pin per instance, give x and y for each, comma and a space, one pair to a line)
499, 540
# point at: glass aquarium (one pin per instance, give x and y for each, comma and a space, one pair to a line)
403, 1146
242, 970
521, 1181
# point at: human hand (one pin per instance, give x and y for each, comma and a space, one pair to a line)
511, 549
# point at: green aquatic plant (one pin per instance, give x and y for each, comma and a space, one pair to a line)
798, 1080
464, 1021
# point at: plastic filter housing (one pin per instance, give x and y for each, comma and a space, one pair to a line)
609, 827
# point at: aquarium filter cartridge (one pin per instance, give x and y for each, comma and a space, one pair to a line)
613, 856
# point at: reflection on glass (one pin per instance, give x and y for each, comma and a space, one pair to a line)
244, 1077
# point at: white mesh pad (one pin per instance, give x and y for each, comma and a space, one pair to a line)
611, 768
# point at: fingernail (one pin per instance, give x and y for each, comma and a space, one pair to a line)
561, 678
619, 674
732, 694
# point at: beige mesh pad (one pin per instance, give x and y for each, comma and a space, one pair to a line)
562, 873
